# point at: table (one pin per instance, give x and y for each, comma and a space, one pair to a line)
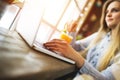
20, 62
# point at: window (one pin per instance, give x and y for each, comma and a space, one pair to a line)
81, 4
9, 16
56, 14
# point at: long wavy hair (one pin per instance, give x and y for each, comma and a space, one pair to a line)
114, 45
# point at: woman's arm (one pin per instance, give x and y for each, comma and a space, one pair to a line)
83, 43
112, 72
85, 68
104, 75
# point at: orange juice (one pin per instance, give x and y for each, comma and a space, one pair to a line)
65, 37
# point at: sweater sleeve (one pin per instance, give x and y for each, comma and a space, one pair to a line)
112, 72
103, 75
83, 43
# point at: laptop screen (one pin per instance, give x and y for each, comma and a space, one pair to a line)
29, 20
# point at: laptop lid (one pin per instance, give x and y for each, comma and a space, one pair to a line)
28, 26
29, 20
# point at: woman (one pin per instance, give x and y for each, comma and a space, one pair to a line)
102, 57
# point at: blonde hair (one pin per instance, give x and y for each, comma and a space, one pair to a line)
114, 45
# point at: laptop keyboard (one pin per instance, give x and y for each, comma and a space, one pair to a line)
40, 47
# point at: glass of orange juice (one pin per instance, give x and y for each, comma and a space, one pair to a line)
66, 37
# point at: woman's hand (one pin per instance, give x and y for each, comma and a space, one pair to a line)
60, 46
72, 26
65, 49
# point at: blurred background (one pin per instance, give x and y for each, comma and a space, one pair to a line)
56, 14
91, 23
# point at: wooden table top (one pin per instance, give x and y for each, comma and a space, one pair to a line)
20, 62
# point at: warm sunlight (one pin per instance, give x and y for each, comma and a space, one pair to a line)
47, 16
56, 14
54, 10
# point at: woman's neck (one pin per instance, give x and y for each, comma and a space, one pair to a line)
113, 32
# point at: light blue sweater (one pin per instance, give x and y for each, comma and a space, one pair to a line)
112, 72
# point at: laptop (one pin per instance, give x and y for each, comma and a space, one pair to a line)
28, 26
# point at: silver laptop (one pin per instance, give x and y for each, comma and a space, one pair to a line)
27, 27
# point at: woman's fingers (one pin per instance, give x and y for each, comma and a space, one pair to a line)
57, 45
72, 26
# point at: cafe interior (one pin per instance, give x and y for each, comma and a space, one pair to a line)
20, 61
56, 15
